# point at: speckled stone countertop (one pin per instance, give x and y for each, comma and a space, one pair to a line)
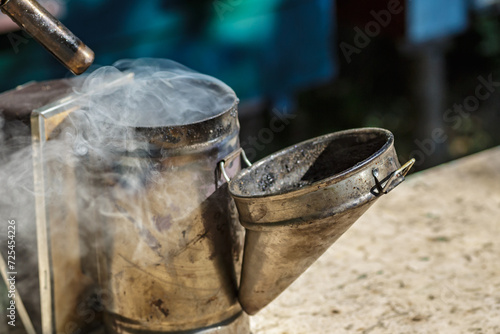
424, 259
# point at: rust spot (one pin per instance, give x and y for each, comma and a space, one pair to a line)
159, 305
211, 299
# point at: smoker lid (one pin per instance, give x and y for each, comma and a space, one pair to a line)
18, 103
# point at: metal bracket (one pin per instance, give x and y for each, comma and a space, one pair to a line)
389, 182
230, 158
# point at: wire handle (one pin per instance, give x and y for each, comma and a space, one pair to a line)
389, 182
230, 158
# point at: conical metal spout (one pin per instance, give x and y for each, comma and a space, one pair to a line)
294, 204
50, 33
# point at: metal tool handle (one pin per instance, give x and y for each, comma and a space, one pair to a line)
230, 158
390, 181
50, 33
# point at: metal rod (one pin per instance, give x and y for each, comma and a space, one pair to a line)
50, 33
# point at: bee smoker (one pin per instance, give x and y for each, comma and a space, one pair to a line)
179, 238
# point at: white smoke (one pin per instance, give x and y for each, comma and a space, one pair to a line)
162, 93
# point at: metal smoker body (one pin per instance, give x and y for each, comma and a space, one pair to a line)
172, 261
168, 241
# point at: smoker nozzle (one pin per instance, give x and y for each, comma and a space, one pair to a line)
49, 32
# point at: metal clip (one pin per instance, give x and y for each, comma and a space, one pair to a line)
389, 182
230, 158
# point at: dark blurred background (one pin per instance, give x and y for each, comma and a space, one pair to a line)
428, 70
